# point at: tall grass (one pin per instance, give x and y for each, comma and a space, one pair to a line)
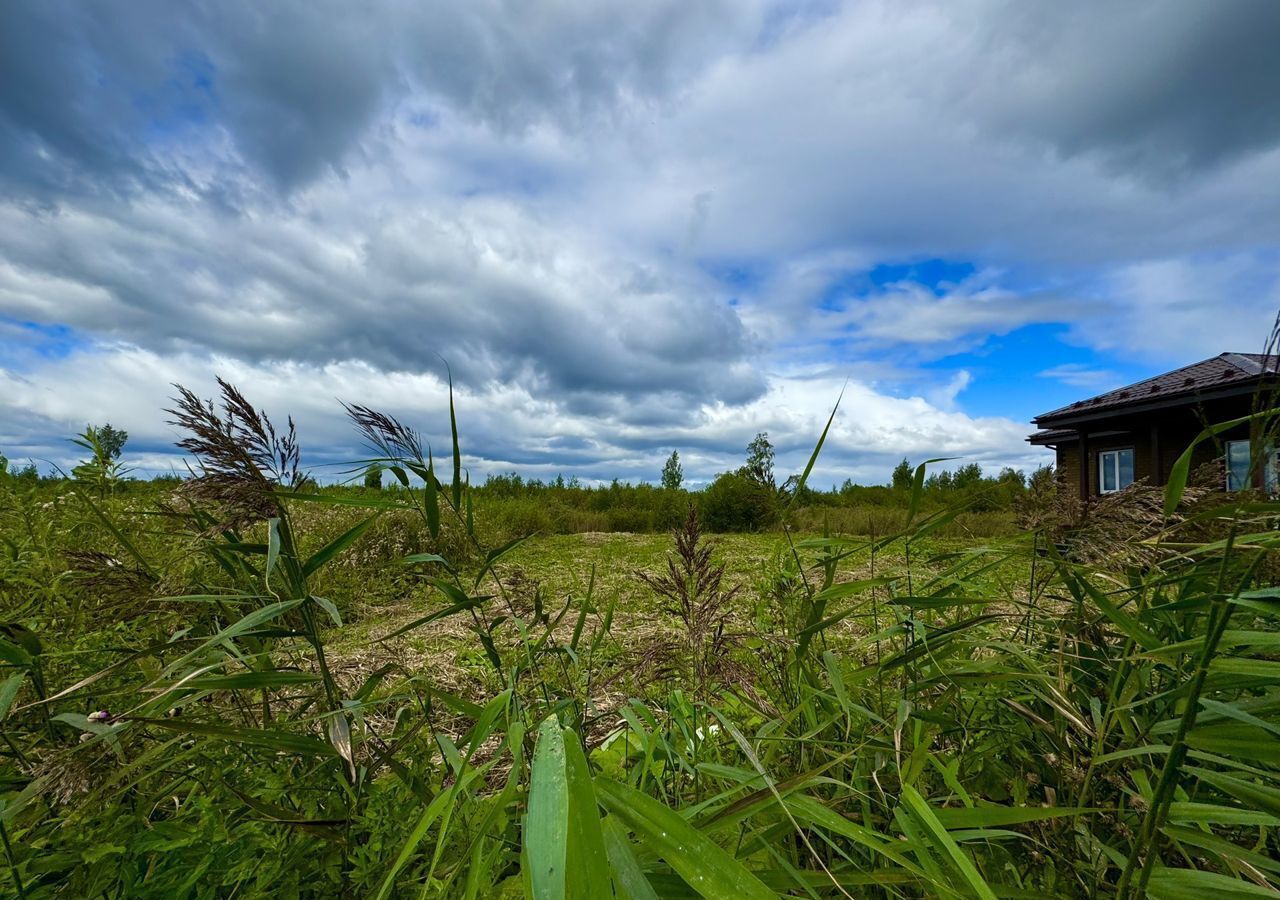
184, 715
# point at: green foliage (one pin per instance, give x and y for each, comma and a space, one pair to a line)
373, 476
759, 466
102, 469
901, 480
672, 472
735, 502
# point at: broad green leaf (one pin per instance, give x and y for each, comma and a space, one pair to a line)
1258, 796
1191, 884
588, 862
1176, 484
248, 623
459, 606
546, 824
273, 546
427, 558
1214, 814
943, 844
8, 691
807, 809
250, 680
1243, 665
1237, 740
438, 804
282, 741
998, 816
431, 498
1224, 848
628, 878
13, 654
336, 546
1232, 711
330, 608
704, 865
493, 556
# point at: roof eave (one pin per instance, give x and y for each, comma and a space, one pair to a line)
1068, 419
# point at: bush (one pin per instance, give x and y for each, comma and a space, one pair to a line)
734, 502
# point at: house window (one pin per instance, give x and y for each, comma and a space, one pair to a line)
1115, 470
1240, 470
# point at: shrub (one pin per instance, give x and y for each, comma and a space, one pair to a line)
734, 502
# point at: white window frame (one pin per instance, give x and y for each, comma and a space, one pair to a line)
1114, 465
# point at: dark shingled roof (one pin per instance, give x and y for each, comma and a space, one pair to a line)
1053, 435
1224, 370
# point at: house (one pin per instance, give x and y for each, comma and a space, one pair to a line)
1107, 442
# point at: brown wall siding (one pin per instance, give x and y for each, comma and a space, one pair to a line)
1069, 465
1153, 460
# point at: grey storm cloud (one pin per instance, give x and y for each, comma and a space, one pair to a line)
496, 307
296, 85
90, 90
1159, 89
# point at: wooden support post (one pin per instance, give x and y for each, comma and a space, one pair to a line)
1157, 461
1084, 466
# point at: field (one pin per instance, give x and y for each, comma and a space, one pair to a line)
243, 685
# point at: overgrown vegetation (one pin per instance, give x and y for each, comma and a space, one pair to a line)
241, 685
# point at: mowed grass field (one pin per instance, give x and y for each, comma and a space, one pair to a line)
599, 574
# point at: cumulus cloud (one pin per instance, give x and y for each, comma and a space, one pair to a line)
504, 426
487, 287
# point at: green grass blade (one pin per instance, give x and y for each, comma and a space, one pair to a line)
997, 816
457, 451
248, 623
813, 457
628, 877
335, 546
273, 547
704, 865
282, 741
1190, 884
588, 862
943, 845
438, 805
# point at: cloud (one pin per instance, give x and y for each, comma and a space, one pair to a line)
1188, 308
297, 86
503, 426
908, 312
1081, 376
494, 291
1170, 88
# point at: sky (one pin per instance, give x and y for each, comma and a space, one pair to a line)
628, 228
